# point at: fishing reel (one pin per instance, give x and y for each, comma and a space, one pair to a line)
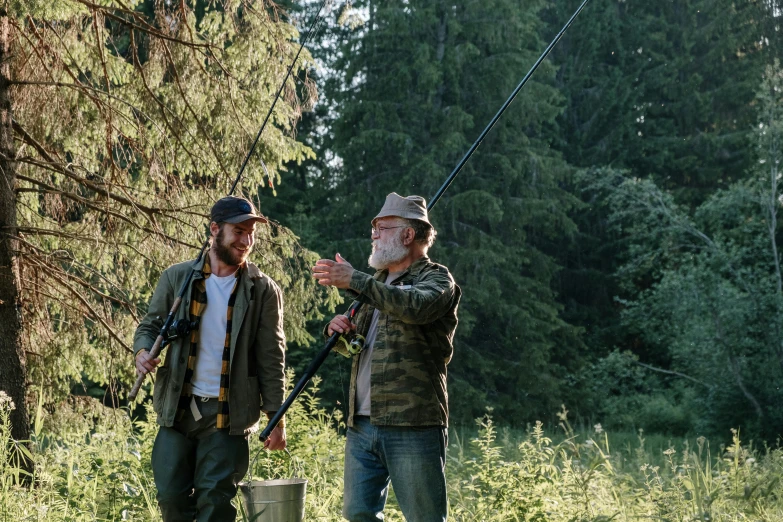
350, 347
178, 329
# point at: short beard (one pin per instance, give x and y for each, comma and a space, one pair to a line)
224, 252
383, 256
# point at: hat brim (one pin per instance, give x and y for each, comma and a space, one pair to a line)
246, 217
402, 215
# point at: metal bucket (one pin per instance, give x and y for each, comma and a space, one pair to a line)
281, 500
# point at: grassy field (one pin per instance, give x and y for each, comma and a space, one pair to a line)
92, 464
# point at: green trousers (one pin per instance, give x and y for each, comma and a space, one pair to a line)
197, 468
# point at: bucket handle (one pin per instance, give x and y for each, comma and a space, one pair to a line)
291, 465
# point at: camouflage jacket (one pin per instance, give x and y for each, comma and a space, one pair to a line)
416, 324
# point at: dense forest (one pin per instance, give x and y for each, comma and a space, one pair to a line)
615, 236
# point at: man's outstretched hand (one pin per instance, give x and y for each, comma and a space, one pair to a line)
335, 273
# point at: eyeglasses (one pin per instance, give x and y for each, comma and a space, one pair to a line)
381, 229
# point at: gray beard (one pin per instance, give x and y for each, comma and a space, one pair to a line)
383, 257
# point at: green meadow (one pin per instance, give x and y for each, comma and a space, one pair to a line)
93, 464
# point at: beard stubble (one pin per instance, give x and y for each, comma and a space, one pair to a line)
224, 252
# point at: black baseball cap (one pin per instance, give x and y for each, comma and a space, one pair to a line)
234, 209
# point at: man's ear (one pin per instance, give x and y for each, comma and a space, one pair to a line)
214, 228
408, 237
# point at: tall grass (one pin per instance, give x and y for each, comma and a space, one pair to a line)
93, 464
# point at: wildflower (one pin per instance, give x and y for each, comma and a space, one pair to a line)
6, 401
598, 428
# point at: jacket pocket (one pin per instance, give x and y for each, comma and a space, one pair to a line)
161, 384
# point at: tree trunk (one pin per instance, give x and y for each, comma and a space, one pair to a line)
12, 355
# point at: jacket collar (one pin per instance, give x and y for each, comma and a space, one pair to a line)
412, 270
252, 270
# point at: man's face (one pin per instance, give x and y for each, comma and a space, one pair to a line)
387, 244
234, 242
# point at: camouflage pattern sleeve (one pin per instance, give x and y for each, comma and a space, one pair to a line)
421, 303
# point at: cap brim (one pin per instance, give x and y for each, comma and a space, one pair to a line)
246, 217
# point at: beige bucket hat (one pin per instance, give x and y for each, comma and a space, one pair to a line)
408, 207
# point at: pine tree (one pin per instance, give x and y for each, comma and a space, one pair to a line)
665, 89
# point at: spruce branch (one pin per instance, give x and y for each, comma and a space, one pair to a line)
82, 87
145, 28
97, 207
196, 119
196, 160
68, 172
62, 278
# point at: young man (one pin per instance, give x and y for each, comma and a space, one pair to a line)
398, 408
215, 382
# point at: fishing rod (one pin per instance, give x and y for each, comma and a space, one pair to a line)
351, 313
172, 329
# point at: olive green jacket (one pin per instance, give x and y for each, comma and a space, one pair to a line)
414, 343
257, 346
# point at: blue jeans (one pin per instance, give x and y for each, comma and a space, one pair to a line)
412, 458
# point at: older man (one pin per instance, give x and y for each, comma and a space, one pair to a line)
209, 393
398, 407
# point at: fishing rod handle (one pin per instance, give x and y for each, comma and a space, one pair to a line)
156, 348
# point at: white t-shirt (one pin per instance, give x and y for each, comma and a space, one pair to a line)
365, 361
212, 336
